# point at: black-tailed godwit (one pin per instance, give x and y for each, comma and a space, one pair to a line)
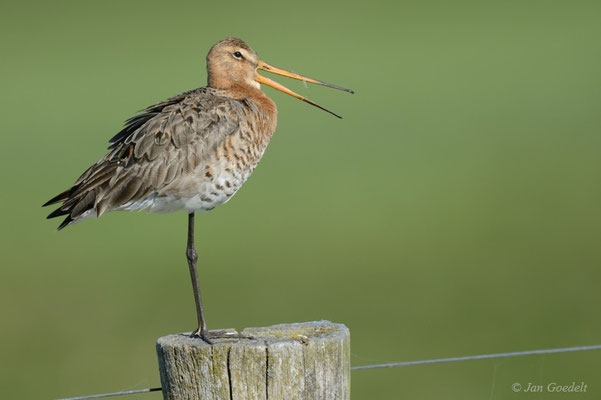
191, 152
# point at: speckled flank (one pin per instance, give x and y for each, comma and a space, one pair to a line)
214, 178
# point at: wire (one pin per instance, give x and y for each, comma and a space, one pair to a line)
392, 365
479, 357
122, 393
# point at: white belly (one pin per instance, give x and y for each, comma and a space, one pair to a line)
205, 195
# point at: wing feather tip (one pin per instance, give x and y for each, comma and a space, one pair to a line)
58, 198
67, 221
57, 213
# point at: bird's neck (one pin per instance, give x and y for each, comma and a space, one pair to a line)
266, 109
219, 81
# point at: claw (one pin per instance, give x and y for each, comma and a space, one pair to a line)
201, 334
209, 336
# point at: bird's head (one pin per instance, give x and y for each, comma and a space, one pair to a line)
233, 62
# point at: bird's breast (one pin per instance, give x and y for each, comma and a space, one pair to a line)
228, 165
224, 167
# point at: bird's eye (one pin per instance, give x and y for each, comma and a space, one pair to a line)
237, 55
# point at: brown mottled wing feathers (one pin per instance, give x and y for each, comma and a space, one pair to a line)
155, 147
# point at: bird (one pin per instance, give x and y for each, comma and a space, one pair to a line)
191, 152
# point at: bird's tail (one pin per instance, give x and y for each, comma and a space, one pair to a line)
81, 200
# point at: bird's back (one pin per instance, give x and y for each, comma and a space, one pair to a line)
192, 151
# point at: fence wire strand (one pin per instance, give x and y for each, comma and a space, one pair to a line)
479, 357
122, 393
391, 365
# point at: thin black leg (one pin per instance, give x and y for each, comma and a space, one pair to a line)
192, 257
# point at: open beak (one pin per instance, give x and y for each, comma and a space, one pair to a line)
270, 68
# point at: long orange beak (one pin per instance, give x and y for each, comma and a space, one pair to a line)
269, 68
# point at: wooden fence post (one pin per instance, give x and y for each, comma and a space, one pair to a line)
298, 361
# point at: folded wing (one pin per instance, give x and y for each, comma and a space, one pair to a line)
164, 142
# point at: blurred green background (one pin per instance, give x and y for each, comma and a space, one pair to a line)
455, 209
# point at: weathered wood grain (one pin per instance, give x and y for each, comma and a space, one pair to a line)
298, 361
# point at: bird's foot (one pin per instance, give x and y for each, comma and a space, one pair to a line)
209, 336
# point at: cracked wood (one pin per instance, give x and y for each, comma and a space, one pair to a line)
298, 361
